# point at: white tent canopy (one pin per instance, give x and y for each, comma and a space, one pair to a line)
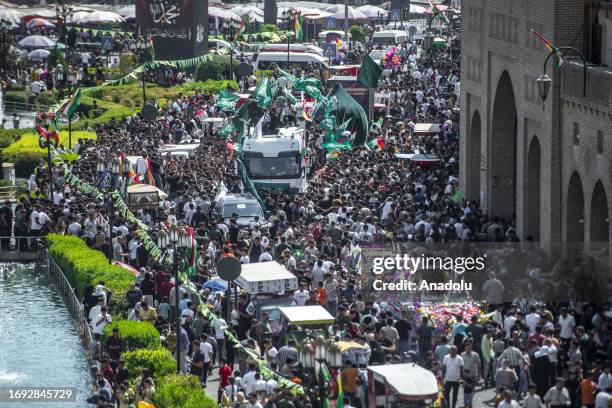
372, 11
222, 14
10, 15
128, 11
353, 13
98, 16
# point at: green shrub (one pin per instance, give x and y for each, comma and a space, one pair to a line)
210, 87
84, 266
216, 69
181, 391
15, 96
135, 334
26, 153
268, 28
160, 361
357, 33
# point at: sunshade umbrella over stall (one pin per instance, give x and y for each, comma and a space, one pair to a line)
372, 11
39, 23
37, 41
11, 15
39, 55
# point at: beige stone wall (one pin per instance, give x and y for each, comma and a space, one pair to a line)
496, 38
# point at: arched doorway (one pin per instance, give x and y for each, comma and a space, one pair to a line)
473, 158
532, 191
502, 151
599, 219
575, 210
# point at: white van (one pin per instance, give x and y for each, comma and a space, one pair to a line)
266, 60
389, 37
292, 48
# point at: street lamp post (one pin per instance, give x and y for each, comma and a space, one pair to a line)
231, 28
176, 238
141, 46
545, 82
287, 16
5, 41
45, 143
324, 353
63, 12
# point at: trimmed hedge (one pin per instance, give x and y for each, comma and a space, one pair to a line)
26, 153
84, 266
160, 361
135, 335
181, 391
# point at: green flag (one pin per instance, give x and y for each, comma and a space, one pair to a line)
457, 197
73, 103
227, 100
263, 93
369, 73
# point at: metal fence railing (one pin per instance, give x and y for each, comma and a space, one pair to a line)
73, 304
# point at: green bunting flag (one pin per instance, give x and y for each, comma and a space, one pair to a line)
369, 72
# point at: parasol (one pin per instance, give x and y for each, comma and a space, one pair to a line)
372, 11
39, 23
37, 41
39, 55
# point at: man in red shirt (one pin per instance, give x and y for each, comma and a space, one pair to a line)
225, 372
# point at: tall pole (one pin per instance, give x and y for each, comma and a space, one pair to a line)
144, 92
346, 6
70, 131
288, 38
111, 221
178, 314
49, 168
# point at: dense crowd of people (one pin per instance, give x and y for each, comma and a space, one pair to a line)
554, 354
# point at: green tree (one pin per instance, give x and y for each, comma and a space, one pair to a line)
357, 33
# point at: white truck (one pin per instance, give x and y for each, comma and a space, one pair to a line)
278, 161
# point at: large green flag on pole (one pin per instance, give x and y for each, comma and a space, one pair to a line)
369, 73
73, 103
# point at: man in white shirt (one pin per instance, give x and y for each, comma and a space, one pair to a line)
100, 321
452, 365
508, 402
301, 296
219, 325
532, 319
567, 323
207, 350
248, 380
74, 228
603, 398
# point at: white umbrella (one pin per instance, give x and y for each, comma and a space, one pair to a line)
38, 23
372, 11
245, 9
253, 16
41, 13
97, 16
37, 41
353, 14
223, 14
127, 11
307, 13
10, 15
39, 54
